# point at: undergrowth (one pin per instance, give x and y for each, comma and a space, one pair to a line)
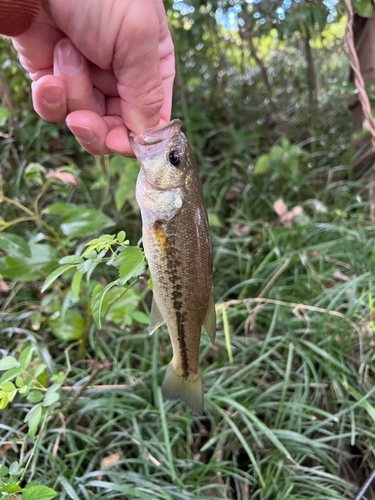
289, 383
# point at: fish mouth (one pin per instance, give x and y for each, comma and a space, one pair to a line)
153, 139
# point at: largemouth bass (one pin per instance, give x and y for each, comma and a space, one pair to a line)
178, 249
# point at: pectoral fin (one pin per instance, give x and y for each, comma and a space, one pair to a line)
156, 319
209, 323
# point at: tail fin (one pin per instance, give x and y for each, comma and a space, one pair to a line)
179, 388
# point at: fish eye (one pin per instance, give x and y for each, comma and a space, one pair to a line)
174, 158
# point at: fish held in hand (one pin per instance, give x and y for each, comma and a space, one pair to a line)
178, 248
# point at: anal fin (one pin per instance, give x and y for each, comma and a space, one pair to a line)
156, 318
209, 323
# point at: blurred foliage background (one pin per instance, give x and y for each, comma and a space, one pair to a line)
265, 95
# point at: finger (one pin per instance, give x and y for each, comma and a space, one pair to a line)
38, 74
90, 130
167, 65
104, 80
167, 70
136, 65
100, 99
113, 106
118, 141
36, 46
72, 67
49, 98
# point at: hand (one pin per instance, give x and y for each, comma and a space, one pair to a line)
107, 66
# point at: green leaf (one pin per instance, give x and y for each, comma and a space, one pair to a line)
85, 266
140, 317
57, 377
35, 397
13, 469
71, 259
25, 358
4, 400
4, 113
133, 261
363, 8
12, 488
19, 382
128, 170
97, 301
36, 319
89, 250
10, 375
26, 269
262, 165
123, 303
52, 399
214, 221
76, 283
8, 387
4, 471
33, 417
31, 484
34, 173
38, 493
24, 390
14, 245
78, 221
54, 275
52, 395
39, 369
121, 236
12, 395
68, 328
7, 363
149, 282
94, 242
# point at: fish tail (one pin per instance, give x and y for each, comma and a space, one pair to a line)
176, 387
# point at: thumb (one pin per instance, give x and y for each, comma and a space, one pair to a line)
137, 68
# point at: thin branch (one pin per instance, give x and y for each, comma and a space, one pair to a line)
264, 291
295, 308
274, 278
358, 79
258, 60
98, 388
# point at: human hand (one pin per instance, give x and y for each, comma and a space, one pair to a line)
107, 66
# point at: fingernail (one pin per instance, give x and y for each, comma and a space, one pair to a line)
68, 58
53, 95
84, 135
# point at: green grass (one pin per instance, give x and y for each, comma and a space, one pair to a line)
291, 417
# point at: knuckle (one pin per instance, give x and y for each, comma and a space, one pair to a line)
144, 24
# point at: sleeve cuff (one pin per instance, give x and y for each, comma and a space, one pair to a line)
17, 16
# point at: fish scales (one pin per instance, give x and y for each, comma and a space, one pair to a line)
179, 252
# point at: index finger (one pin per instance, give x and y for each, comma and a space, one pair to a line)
167, 68
136, 66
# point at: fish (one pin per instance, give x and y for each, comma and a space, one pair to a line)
178, 248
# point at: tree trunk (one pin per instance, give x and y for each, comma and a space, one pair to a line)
313, 86
364, 40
